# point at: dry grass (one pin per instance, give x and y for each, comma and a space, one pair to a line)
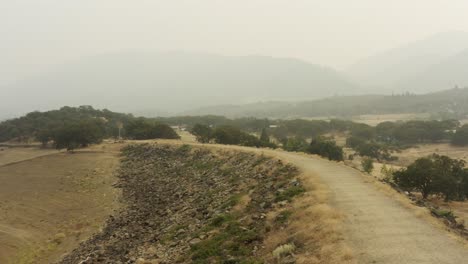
11, 155
409, 155
50, 200
314, 228
374, 120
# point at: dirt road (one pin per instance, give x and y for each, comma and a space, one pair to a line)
378, 227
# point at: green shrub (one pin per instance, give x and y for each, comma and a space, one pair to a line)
289, 193
326, 148
203, 133
442, 213
219, 220
367, 165
145, 129
295, 144
283, 216
460, 138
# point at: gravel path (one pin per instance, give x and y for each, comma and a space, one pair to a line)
380, 229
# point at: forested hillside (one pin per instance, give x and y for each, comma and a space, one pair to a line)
446, 104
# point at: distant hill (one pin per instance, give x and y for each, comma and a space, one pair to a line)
405, 68
446, 104
449, 72
168, 82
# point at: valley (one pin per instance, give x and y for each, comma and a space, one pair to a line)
233, 132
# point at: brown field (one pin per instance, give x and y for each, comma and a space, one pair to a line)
14, 154
50, 201
374, 120
409, 155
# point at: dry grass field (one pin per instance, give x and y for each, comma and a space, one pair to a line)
374, 120
50, 201
15, 154
409, 155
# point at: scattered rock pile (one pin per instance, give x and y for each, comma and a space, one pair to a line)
190, 205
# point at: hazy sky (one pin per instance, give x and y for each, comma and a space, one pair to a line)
36, 34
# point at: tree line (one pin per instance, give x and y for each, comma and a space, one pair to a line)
74, 127
295, 135
390, 133
231, 135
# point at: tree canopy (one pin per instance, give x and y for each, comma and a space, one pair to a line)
326, 148
146, 129
435, 174
81, 134
460, 138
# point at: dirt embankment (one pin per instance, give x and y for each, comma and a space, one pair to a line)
192, 205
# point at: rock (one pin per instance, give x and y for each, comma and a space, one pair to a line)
288, 260
195, 241
144, 261
171, 197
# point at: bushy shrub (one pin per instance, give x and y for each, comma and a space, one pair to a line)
295, 144
371, 149
229, 135
460, 138
367, 165
326, 148
203, 133
145, 129
387, 173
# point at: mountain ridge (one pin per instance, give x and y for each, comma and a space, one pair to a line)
174, 82
451, 103
389, 69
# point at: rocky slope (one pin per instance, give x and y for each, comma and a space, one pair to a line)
191, 205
